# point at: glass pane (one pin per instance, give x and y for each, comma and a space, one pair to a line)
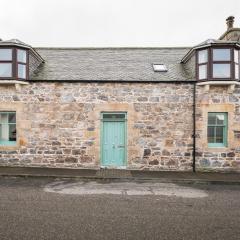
221, 55
4, 132
5, 54
220, 119
12, 132
219, 134
236, 71
236, 56
203, 72
221, 71
21, 55
3, 118
211, 135
211, 119
12, 117
203, 56
5, 70
114, 116
21, 71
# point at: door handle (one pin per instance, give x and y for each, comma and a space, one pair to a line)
121, 146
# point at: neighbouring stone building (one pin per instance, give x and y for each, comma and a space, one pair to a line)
134, 108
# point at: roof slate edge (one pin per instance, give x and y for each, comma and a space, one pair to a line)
191, 51
108, 48
26, 46
114, 81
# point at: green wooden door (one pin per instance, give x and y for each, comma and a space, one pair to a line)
113, 141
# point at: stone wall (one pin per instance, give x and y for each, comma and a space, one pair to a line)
58, 124
218, 99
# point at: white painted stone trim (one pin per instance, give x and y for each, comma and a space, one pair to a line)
17, 83
9, 82
231, 84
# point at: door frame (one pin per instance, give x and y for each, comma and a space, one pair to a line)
125, 138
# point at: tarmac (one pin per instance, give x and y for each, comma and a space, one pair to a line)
125, 175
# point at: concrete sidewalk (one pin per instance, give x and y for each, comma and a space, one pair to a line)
144, 175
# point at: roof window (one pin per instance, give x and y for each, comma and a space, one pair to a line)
158, 67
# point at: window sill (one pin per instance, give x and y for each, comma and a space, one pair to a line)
231, 84
9, 146
217, 149
17, 83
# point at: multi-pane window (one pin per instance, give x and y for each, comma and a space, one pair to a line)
202, 64
8, 128
221, 59
6, 62
13, 63
21, 63
217, 129
218, 63
236, 63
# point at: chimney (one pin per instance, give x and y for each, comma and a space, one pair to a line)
230, 21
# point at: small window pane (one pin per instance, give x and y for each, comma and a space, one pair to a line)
5, 69
203, 72
221, 71
12, 117
236, 56
21, 71
220, 119
221, 54
210, 134
3, 118
5, 54
211, 119
219, 134
4, 132
236, 71
21, 55
203, 56
12, 132
114, 116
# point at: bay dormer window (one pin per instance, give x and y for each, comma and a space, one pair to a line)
218, 63
13, 63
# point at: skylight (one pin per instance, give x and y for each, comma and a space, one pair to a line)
158, 67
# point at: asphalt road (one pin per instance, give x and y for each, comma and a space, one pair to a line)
40, 208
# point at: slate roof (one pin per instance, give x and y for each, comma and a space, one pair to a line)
111, 64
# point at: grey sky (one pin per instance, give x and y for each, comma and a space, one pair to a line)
117, 23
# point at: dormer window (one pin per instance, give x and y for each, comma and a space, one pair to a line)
13, 63
218, 63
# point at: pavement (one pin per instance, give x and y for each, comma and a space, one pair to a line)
147, 175
41, 208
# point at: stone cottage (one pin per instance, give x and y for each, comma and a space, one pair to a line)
134, 108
